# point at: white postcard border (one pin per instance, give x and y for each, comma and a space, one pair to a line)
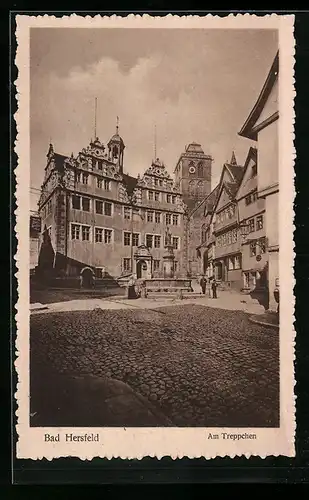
160, 442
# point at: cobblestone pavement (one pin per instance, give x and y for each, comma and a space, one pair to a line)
200, 366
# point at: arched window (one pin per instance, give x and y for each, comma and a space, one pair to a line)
200, 187
200, 169
115, 152
192, 188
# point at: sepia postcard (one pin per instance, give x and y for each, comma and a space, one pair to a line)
155, 189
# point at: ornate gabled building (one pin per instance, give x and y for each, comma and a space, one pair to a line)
218, 251
101, 219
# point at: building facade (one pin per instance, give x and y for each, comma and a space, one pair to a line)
262, 127
100, 218
220, 245
193, 179
251, 212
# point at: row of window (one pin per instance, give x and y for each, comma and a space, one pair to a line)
227, 238
255, 224
157, 196
82, 232
105, 208
102, 235
127, 265
83, 178
152, 240
83, 203
226, 214
251, 198
257, 245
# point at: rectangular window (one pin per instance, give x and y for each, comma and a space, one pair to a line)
252, 248
149, 216
168, 219
99, 182
149, 238
107, 235
75, 202
259, 222
107, 208
248, 199
150, 195
262, 244
229, 238
127, 213
135, 239
158, 217
99, 207
168, 198
160, 182
155, 182
251, 225
157, 196
94, 163
231, 262
85, 233
175, 266
175, 241
254, 197
99, 272
126, 239
107, 185
98, 234
126, 264
77, 177
156, 265
157, 241
85, 178
86, 204
237, 264
175, 220
75, 232
99, 165
173, 199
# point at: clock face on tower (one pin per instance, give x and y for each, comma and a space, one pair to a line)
192, 169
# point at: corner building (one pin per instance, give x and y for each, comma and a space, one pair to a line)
99, 217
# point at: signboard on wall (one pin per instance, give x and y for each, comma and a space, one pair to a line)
35, 224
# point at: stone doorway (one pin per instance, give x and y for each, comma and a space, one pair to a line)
141, 269
87, 278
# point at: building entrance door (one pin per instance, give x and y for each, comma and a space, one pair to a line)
87, 278
141, 269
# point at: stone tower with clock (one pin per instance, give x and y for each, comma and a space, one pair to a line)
193, 175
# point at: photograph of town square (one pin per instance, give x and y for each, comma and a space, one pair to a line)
154, 233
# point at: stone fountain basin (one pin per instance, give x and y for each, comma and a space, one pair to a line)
167, 284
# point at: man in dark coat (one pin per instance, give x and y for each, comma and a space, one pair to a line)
214, 288
203, 284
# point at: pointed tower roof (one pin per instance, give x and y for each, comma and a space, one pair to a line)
233, 159
116, 138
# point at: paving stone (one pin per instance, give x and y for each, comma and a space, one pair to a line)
221, 362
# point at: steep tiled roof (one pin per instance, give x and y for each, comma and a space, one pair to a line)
130, 182
237, 171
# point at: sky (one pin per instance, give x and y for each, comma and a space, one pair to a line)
192, 85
